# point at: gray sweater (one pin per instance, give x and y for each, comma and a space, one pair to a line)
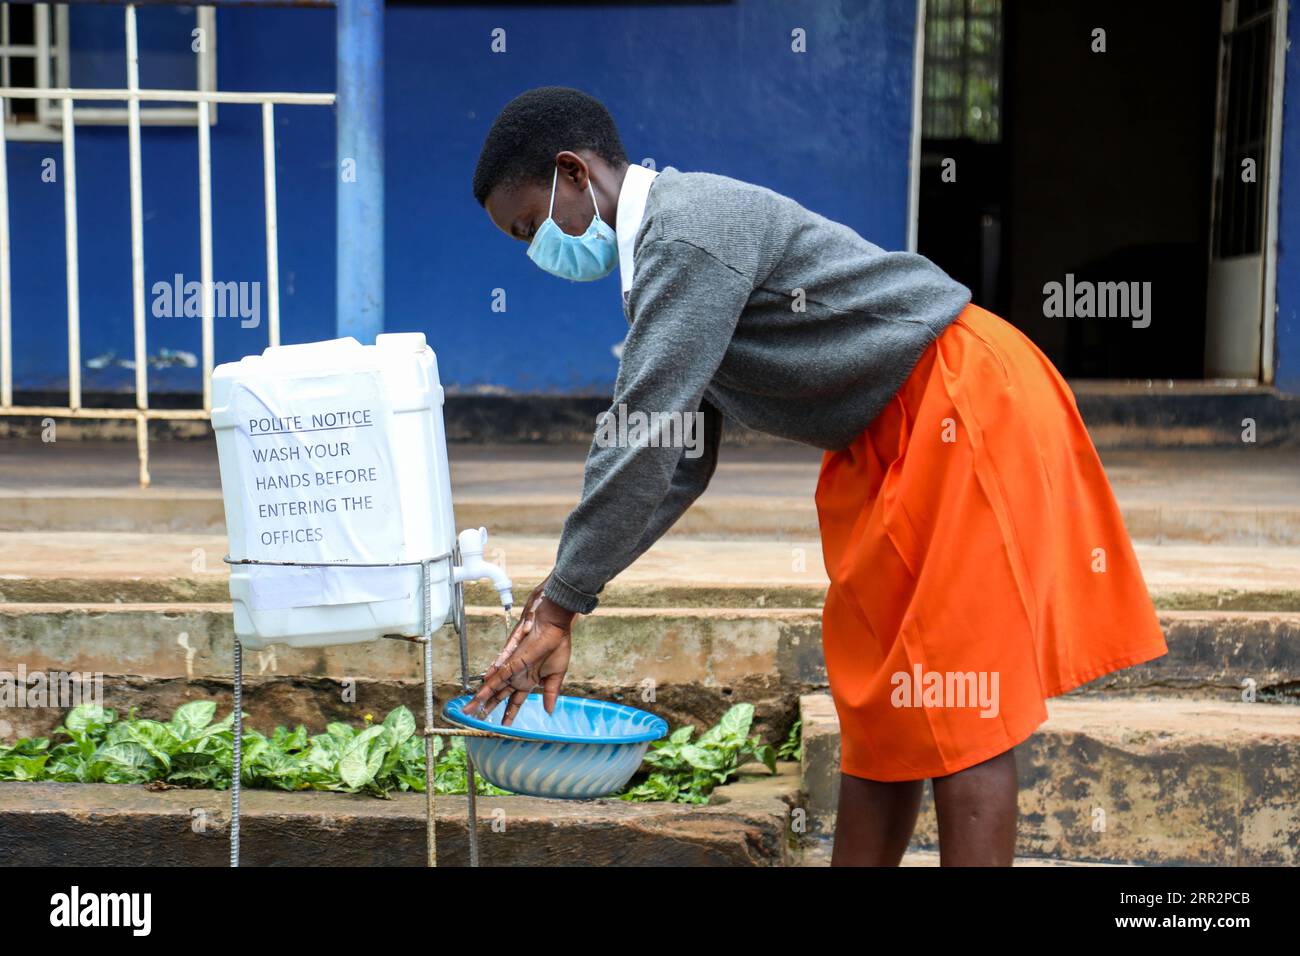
744, 304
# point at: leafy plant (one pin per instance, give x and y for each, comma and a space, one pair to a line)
191, 750
449, 771
686, 771
792, 749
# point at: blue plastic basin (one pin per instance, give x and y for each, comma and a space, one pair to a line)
587, 748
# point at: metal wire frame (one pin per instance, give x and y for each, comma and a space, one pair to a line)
429, 732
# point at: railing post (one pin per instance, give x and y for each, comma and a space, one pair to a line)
272, 225
72, 254
360, 169
137, 245
205, 248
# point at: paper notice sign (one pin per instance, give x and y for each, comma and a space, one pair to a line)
318, 485
316, 470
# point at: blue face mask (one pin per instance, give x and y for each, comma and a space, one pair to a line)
592, 255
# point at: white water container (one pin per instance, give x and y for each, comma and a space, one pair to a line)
334, 452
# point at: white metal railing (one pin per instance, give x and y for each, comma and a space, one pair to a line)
133, 95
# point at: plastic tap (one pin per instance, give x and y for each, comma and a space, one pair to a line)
472, 567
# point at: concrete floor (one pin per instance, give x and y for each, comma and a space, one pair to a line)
745, 530
1247, 477
672, 561
817, 852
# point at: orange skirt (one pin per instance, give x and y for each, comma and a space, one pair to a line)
977, 558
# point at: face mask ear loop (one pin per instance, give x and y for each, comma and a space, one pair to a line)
592, 187
554, 176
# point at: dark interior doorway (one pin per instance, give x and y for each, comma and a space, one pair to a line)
1075, 162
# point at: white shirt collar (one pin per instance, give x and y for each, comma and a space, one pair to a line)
631, 210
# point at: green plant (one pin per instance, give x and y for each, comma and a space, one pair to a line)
191, 751
686, 771
449, 771
792, 749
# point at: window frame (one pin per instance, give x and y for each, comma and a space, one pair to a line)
52, 52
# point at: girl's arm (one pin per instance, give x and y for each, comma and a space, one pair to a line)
685, 306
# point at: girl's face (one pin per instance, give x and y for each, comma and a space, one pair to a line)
520, 210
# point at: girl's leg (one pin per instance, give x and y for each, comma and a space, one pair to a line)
976, 808
874, 821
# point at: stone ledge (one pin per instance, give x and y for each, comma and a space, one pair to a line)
713, 517
1210, 652
104, 825
1136, 781
1118, 413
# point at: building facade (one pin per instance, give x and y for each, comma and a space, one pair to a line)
996, 137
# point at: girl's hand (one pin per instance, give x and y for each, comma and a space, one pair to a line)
522, 627
537, 652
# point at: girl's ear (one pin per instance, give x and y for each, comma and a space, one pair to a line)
573, 168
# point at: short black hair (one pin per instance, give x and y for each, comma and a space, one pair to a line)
533, 127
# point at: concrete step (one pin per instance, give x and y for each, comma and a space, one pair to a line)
1212, 652
689, 666
66, 824
95, 567
714, 516
1169, 781
817, 852
1245, 496
1119, 413
693, 662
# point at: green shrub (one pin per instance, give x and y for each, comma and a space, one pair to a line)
682, 771
792, 749
190, 750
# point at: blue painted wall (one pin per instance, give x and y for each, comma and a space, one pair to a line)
1288, 257
711, 87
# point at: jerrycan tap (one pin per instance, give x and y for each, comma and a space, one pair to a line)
473, 568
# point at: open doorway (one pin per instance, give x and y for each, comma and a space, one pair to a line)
1086, 146
1237, 344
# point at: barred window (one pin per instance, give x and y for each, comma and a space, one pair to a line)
963, 70
52, 45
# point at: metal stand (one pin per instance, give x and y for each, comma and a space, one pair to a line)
237, 766
430, 730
